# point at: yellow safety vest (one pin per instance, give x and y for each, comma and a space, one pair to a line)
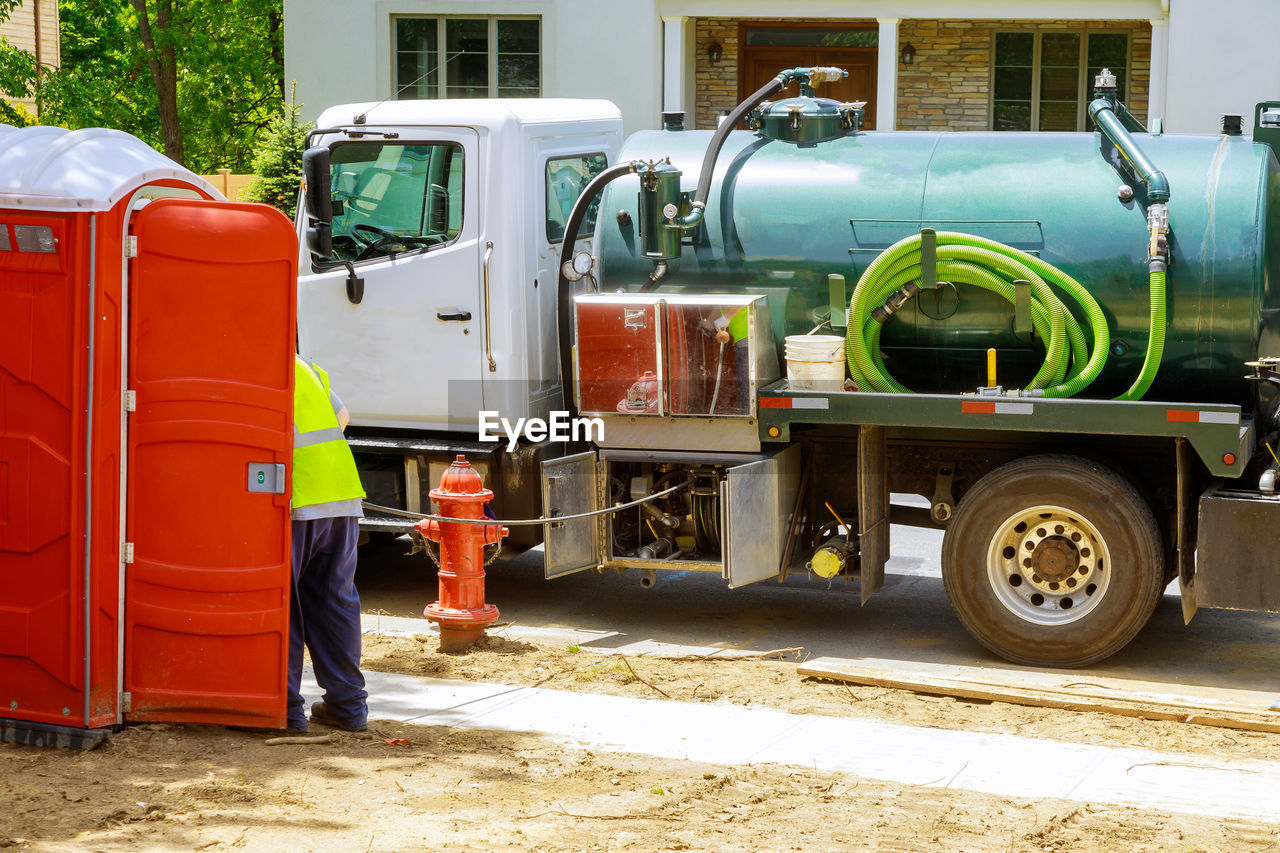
323, 467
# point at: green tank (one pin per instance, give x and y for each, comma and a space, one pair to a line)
782, 216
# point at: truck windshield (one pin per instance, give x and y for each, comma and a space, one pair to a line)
391, 197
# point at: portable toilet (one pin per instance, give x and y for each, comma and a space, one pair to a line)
147, 331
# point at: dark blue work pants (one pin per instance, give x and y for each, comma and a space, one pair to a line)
325, 614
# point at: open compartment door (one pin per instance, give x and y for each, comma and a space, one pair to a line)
568, 488
211, 331
756, 501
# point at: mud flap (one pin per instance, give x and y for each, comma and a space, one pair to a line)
873, 510
1186, 535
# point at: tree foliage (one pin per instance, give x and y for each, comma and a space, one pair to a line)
197, 79
277, 164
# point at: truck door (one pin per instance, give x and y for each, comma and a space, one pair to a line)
406, 216
211, 308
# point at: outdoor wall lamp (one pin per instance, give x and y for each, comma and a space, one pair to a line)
715, 51
908, 53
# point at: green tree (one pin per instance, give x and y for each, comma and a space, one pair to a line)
198, 79
277, 163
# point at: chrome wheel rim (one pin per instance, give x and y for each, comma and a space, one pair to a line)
1048, 565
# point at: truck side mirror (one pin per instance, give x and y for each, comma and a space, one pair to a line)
315, 172
320, 239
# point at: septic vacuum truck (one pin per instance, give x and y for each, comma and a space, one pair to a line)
1063, 342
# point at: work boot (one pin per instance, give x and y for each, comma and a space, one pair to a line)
321, 714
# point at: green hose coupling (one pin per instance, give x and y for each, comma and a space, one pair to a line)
1158, 226
895, 301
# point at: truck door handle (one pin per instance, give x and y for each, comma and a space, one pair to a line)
462, 316
488, 336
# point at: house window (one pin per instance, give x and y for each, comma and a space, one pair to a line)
1044, 80
468, 58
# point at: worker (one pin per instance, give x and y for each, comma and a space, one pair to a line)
324, 606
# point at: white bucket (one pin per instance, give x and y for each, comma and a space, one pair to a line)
815, 362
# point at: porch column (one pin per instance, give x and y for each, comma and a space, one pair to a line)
887, 75
1159, 69
677, 64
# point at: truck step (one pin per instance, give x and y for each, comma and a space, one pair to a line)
386, 524
427, 446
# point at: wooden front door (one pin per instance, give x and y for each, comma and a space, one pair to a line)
759, 63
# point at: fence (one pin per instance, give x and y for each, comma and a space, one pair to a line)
230, 185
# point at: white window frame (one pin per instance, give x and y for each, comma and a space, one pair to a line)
441, 23
1084, 85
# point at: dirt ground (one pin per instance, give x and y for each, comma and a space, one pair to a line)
207, 788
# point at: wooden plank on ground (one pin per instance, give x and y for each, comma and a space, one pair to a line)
1073, 691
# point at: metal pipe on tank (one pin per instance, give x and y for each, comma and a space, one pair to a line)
1103, 112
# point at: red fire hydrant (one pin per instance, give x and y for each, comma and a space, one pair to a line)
461, 610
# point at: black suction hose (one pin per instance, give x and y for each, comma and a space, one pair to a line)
717, 142
592, 189
564, 287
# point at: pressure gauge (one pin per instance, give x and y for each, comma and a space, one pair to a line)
577, 267
670, 211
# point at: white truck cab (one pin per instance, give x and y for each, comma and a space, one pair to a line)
436, 296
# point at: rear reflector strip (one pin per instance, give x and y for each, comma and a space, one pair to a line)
1194, 416
991, 407
794, 403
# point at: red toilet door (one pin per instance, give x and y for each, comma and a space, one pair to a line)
212, 306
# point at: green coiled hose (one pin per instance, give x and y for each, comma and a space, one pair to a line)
1071, 362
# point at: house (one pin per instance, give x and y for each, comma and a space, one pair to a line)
33, 26
919, 64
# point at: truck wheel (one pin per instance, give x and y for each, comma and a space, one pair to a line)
1053, 561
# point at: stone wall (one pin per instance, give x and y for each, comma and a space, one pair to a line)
716, 85
948, 87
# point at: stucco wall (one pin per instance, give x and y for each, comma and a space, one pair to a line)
1223, 58
339, 51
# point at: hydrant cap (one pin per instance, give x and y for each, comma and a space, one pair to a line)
461, 479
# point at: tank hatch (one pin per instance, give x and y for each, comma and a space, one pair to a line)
804, 120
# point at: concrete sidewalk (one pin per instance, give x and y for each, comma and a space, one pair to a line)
604, 642
1004, 765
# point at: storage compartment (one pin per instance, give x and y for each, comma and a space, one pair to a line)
619, 364
1239, 536
731, 515
673, 354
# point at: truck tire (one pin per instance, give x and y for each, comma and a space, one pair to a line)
1053, 561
